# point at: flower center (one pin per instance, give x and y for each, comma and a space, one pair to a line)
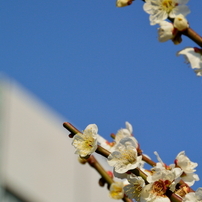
135, 190
159, 188
129, 156
89, 142
168, 5
138, 189
116, 191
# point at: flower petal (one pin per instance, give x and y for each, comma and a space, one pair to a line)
195, 59
181, 9
182, 1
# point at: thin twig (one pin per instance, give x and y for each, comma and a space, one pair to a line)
97, 166
100, 150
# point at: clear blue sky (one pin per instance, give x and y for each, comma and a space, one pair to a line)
95, 63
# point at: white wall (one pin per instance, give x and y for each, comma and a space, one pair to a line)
37, 160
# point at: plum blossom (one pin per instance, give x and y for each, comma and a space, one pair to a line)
116, 190
193, 196
133, 190
170, 177
123, 3
162, 178
125, 156
194, 57
181, 23
188, 168
154, 192
184, 163
86, 143
166, 174
190, 178
166, 31
124, 132
160, 10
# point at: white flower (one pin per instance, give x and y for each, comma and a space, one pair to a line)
190, 178
129, 127
188, 167
116, 190
165, 31
122, 3
133, 190
194, 57
86, 143
193, 196
162, 9
154, 192
184, 163
124, 132
170, 177
125, 156
181, 23
167, 174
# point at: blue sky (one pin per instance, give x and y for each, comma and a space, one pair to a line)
95, 63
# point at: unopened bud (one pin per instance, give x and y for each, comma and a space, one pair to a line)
82, 160
102, 182
181, 22
123, 3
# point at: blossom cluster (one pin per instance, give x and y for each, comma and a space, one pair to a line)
125, 156
175, 11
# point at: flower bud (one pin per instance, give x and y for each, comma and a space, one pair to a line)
181, 22
102, 182
123, 3
82, 160
165, 32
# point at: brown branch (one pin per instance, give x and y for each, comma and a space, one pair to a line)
92, 161
73, 131
138, 172
173, 197
97, 166
100, 150
149, 161
193, 36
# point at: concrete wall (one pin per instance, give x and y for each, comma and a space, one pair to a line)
38, 163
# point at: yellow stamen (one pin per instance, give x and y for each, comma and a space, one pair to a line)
168, 5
